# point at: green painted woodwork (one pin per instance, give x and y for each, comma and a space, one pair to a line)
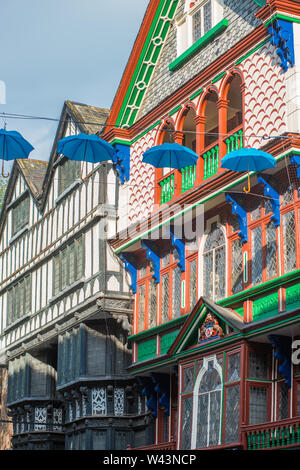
188, 177
147, 349
265, 307
211, 162
235, 141
292, 297
261, 3
167, 188
239, 310
198, 45
167, 340
147, 61
274, 436
279, 16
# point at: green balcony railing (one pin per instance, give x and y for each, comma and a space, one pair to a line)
235, 141
167, 187
285, 433
211, 162
188, 177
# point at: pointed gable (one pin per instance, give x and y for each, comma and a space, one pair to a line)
207, 322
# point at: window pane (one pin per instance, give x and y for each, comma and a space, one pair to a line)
208, 275
283, 408
56, 274
186, 429
271, 250
256, 256
197, 25
214, 418
176, 293
287, 195
202, 421
258, 368
165, 299
258, 405
20, 215
188, 379
237, 266
211, 380
232, 414
72, 274
79, 257
152, 303
219, 273
207, 17
141, 319
289, 241
193, 283
64, 268
233, 373
256, 206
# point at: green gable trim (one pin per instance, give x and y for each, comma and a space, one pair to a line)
265, 307
279, 16
292, 297
147, 61
174, 110
191, 51
147, 350
197, 93
167, 340
122, 142
261, 3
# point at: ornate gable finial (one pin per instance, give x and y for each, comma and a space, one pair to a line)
210, 329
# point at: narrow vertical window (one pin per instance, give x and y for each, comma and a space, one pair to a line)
289, 241
141, 318
152, 304
193, 283
271, 250
258, 405
165, 298
214, 264
237, 266
257, 261
176, 294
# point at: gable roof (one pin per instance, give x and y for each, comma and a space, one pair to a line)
142, 61
91, 118
197, 317
34, 172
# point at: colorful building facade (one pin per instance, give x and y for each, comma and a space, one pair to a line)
216, 311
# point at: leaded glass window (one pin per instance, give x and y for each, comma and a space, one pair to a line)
197, 25
119, 401
257, 260
237, 266
271, 250
99, 404
188, 379
283, 408
214, 264
289, 241
233, 373
20, 215
176, 293
68, 172
19, 300
287, 195
165, 298
258, 367
256, 206
152, 304
193, 283
232, 414
209, 407
186, 428
207, 17
258, 405
141, 319
68, 265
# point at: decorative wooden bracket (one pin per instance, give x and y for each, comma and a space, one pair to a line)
282, 351
270, 192
282, 37
180, 246
121, 162
162, 385
132, 271
241, 215
155, 258
148, 390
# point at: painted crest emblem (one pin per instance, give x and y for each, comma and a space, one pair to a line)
210, 329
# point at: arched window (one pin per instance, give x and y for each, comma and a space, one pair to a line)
189, 130
207, 405
212, 119
214, 264
235, 104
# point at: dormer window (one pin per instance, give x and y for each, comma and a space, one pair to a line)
199, 18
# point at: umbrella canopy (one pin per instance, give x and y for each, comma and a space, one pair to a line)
13, 145
248, 160
170, 156
85, 147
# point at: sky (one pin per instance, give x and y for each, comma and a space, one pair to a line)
57, 50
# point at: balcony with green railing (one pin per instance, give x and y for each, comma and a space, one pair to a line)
188, 178
275, 435
211, 161
235, 141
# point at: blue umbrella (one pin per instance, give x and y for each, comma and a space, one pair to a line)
85, 147
248, 160
170, 156
13, 146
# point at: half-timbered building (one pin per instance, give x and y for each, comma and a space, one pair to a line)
66, 310
216, 311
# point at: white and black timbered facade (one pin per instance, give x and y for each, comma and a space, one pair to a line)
65, 303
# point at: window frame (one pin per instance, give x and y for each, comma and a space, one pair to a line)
57, 286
